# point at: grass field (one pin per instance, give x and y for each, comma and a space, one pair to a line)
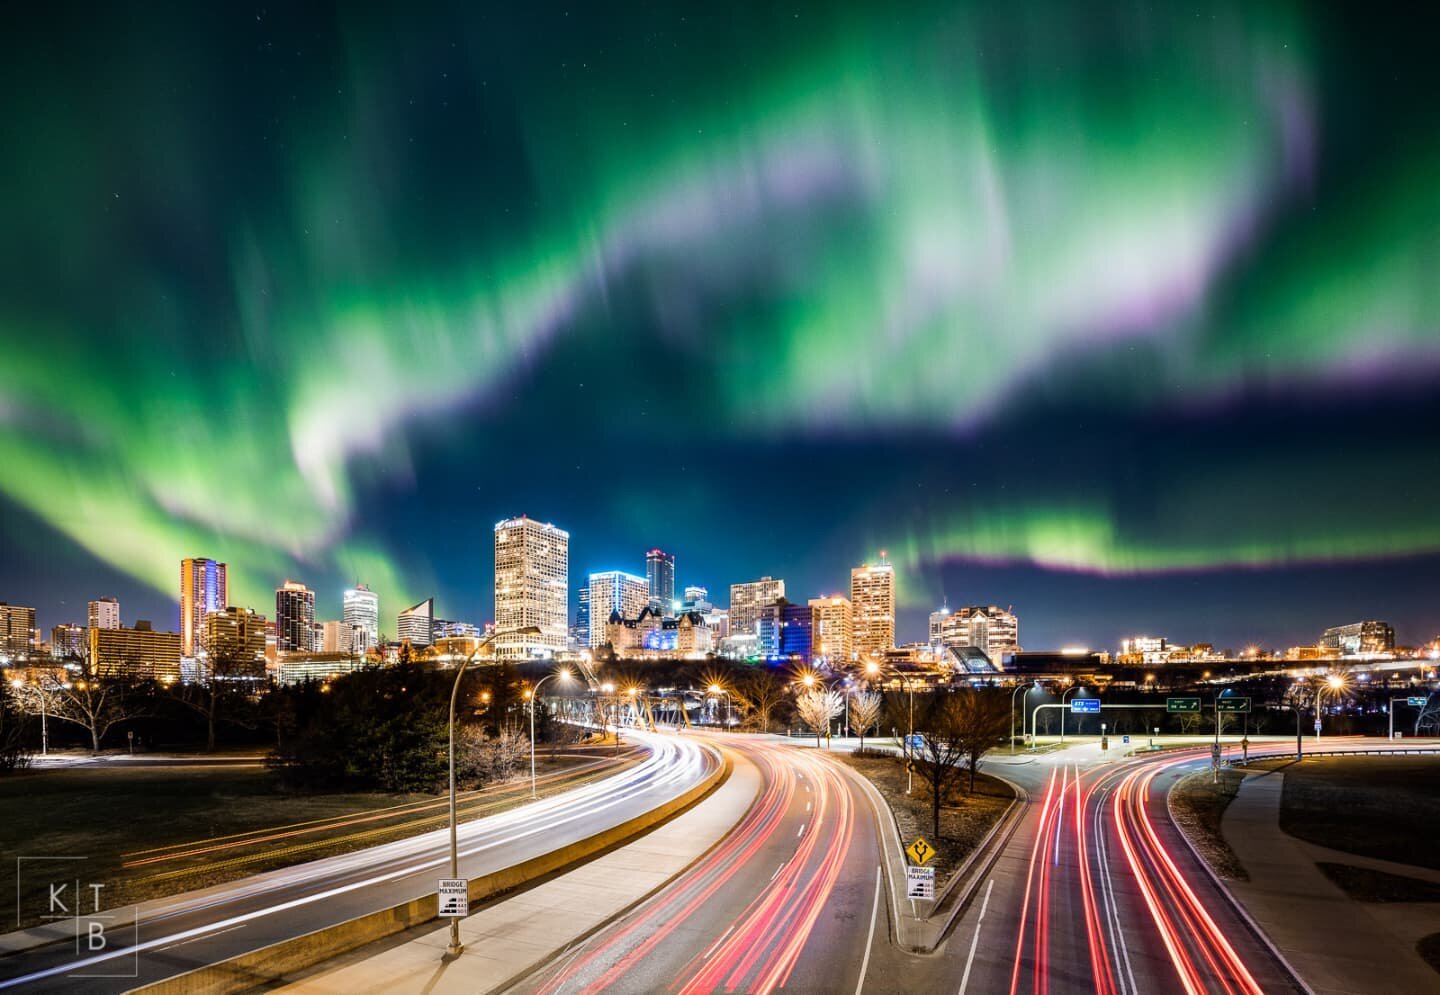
1199, 804
148, 832
1386, 807
962, 827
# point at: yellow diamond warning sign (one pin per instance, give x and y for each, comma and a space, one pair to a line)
920, 851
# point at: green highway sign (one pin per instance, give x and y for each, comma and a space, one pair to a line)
1182, 704
1232, 704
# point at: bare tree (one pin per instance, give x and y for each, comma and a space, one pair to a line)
982, 720
816, 708
95, 704
760, 693
14, 751
957, 728
225, 668
497, 758
1190, 722
864, 713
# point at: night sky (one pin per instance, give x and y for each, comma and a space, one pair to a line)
1125, 315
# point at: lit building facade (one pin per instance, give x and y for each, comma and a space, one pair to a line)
204, 588
660, 578
294, 618
105, 613
532, 582
362, 610
615, 591
236, 635
416, 624
831, 628
936, 633
580, 631
785, 631
1360, 639
747, 600
872, 608
17, 630
294, 668
445, 628
69, 640
341, 637
141, 653
993, 630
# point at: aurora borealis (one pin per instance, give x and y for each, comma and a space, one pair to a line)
1125, 314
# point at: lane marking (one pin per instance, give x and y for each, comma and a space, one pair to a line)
974, 940
194, 938
801, 832
870, 940
719, 941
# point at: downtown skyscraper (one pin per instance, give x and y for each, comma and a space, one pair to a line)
872, 606
660, 577
203, 589
294, 618
362, 610
749, 599
532, 581
615, 591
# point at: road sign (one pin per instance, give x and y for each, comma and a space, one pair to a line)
915, 741
1088, 706
920, 851
1182, 704
1417, 702
920, 882
454, 894
1125, 740
1233, 704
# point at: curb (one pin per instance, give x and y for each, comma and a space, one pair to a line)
987, 851
271, 964
1235, 903
982, 857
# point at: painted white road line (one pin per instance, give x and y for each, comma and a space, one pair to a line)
870, 940
975, 940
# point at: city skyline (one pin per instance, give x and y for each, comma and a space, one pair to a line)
384, 280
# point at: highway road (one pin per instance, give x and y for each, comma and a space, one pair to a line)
179, 934
1096, 891
790, 900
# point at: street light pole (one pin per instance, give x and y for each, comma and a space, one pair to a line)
455, 947
564, 675
1077, 687
1012, 714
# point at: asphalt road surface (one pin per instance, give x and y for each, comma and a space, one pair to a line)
177, 935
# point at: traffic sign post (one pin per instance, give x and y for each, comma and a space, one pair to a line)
1085, 706
454, 897
1173, 705
1232, 704
920, 851
920, 883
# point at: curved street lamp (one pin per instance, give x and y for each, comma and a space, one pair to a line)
456, 948
534, 695
1012, 711
1077, 687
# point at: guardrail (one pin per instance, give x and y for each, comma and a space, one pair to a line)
270, 964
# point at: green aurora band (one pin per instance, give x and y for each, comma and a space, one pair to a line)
899, 230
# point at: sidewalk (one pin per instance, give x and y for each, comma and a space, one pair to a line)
1336, 944
511, 937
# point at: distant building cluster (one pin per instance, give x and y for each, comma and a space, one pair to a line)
617, 615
